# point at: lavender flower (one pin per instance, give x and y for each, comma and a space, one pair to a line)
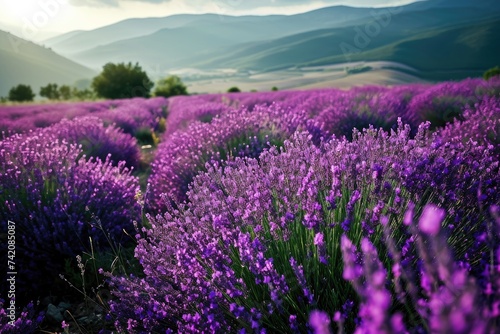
320, 322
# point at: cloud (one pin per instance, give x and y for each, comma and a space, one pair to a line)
235, 5
94, 3
109, 3
256, 4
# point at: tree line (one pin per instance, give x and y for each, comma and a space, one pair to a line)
116, 81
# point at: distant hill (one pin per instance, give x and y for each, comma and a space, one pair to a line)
444, 54
256, 27
442, 43
121, 39
24, 62
76, 41
320, 37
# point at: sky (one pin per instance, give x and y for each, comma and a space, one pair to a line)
40, 19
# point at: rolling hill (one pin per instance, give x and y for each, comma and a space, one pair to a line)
443, 54
441, 39
321, 37
256, 28
28, 63
429, 45
123, 38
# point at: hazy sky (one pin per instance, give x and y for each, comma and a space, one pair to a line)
38, 19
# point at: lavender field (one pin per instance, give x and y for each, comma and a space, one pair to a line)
369, 210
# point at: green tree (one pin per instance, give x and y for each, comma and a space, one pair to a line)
118, 81
170, 86
21, 93
65, 92
50, 91
492, 72
83, 94
274, 89
234, 90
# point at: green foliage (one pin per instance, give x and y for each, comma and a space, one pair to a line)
170, 86
274, 89
234, 90
65, 92
145, 136
83, 84
82, 95
50, 92
21, 93
492, 72
358, 69
162, 125
122, 81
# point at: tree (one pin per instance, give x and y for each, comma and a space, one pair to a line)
21, 93
170, 86
234, 90
274, 89
50, 91
492, 72
122, 81
82, 95
65, 92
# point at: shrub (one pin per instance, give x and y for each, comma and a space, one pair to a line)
184, 153
441, 294
481, 123
26, 322
185, 110
492, 72
58, 201
21, 93
51, 92
133, 114
118, 81
443, 103
98, 141
234, 90
171, 86
258, 245
145, 136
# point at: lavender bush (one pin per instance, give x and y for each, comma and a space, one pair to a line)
184, 154
186, 110
481, 123
257, 248
26, 323
58, 201
441, 294
96, 140
444, 102
129, 114
275, 215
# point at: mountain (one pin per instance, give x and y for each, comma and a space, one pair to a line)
444, 54
28, 63
175, 45
77, 41
442, 42
250, 28
325, 36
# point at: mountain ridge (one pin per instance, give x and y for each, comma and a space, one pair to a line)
25, 62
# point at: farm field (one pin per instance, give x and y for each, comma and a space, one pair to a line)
372, 209
380, 73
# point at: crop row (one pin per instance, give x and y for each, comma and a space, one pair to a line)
369, 210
